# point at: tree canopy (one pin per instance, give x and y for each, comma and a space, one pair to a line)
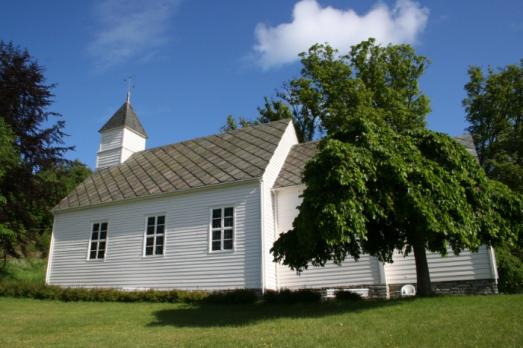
494, 106
373, 190
372, 81
29, 187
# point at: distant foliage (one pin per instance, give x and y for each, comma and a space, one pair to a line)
494, 106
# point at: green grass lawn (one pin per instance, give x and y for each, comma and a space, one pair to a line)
471, 321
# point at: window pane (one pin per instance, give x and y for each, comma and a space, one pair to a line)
216, 235
227, 222
103, 234
160, 229
94, 236
159, 240
101, 253
216, 213
149, 250
150, 242
216, 223
96, 227
227, 244
101, 245
227, 211
150, 221
161, 220
104, 226
93, 254
93, 246
227, 234
216, 245
159, 249
150, 229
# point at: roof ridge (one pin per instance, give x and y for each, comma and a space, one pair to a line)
215, 134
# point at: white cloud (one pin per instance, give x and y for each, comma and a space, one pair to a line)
341, 28
129, 29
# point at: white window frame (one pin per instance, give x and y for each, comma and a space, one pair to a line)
99, 222
222, 228
155, 234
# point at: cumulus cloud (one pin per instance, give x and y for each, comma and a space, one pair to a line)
129, 29
341, 28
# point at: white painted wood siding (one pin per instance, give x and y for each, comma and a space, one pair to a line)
108, 158
466, 266
268, 227
363, 272
132, 142
186, 263
111, 139
117, 145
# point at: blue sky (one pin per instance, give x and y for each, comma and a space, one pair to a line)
195, 62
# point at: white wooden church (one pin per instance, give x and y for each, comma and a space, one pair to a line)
203, 214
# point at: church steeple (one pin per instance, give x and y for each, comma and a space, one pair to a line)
121, 136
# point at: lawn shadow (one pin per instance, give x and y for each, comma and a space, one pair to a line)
207, 315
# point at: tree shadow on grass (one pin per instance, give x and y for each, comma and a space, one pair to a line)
207, 315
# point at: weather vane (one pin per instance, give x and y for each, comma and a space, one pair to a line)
130, 86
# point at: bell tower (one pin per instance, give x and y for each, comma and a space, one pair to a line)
120, 137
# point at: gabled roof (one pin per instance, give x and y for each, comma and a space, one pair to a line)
292, 171
124, 117
233, 156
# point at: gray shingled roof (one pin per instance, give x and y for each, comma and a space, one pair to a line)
292, 170
223, 158
124, 117
467, 141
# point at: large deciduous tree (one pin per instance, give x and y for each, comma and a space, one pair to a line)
27, 187
374, 190
372, 81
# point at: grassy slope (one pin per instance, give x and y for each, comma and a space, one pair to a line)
26, 270
473, 321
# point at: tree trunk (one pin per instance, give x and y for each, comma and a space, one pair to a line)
424, 287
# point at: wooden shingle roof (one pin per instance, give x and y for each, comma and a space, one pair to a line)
292, 171
124, 117
229, 157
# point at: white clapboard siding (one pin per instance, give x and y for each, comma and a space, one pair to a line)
117, 145
108, 158
111, 139
269, 177
467, 266
363, 272
186, 263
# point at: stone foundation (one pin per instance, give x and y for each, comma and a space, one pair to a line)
461, 287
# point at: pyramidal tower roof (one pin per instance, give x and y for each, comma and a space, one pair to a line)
125, 117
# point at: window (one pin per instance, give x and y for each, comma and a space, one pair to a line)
98, 241
222, 227
155, 235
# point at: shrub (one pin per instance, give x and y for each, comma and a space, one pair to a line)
40, 291
510, 270
239, 296
347, 296
287, 296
